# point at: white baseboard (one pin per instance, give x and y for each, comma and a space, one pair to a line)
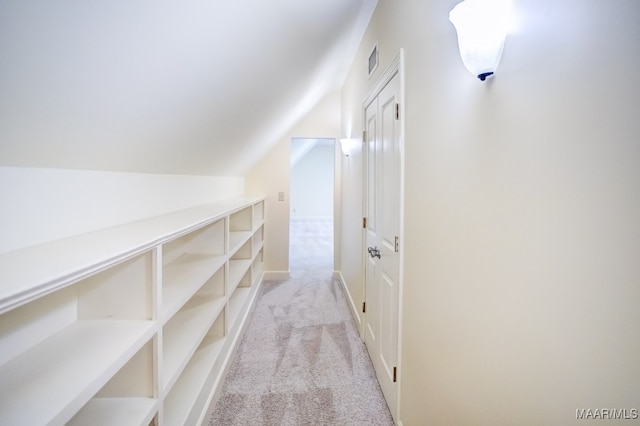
354, 309
276, 275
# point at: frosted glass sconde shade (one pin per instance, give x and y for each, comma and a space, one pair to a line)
349, 146
482, 27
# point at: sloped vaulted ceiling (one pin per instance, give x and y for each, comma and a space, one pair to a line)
178, 87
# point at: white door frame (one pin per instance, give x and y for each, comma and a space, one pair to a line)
395, 67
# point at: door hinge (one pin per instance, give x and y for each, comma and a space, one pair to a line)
397, 245
397, 111
364, 222
364, 307
395, 374
364, 136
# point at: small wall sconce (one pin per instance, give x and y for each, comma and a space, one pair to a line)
482, 27
350, 146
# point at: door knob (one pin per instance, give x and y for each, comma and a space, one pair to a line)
374, 252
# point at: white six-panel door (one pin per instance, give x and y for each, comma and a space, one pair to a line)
382, 230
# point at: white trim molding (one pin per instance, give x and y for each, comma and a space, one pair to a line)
354, 310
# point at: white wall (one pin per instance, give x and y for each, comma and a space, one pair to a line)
350, 233
312, 184
522, 205
40, 205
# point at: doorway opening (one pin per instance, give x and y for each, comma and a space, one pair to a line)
311, 203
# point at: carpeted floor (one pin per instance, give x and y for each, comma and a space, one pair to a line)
301, 361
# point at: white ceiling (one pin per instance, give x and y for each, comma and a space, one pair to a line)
180, 87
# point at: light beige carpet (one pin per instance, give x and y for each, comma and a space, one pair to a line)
301, 361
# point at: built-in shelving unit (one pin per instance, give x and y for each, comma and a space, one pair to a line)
131, 325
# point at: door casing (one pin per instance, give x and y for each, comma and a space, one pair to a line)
395, 68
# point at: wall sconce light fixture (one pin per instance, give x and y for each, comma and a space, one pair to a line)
350, 146
482, 27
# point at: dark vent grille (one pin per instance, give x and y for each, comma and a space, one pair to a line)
373, 59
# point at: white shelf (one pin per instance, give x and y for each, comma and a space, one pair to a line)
236, 303
237, 269
184, 333
257, 272
76, 343
183, 277
116, 412
258, 214
257, 224
180, 401
61, 374
236, 239
256, 249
